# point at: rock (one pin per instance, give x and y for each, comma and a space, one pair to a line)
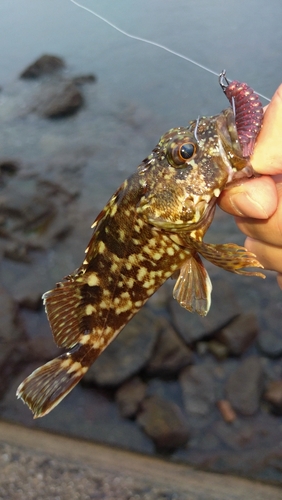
58, 99
9, 328
25, 208
270, 336
202, 348
270, 343
218, 349
238, 335
129, 397
224, 308
33, 216
235, 436
170, 354
199, 390
11, 338
165, 389
40, 342
17, 251
226, 410
82, 79
164, 423
128, 353
45, 65
244, 386
273, 395
8, 167
27, 282
42, 348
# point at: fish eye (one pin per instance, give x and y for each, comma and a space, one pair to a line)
182, 152
186, 151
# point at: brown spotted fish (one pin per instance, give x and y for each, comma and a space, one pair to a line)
151, 227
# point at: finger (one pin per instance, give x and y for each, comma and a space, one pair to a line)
255, 198
268, 255
268, 231
279, 280
267, 156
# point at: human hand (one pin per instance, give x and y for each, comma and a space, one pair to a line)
257, 203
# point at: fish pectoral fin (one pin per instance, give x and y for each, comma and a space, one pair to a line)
230, 257
44, 388
64, 309
193, 287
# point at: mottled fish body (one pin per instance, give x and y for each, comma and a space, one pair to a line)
151, 227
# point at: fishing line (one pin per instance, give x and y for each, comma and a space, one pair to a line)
150, 42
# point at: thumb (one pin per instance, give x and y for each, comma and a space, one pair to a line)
267, 156
256, 198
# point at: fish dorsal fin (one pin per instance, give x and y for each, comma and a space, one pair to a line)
193, 287
64, 311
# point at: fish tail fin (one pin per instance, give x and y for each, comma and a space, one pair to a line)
193, 287
44, 388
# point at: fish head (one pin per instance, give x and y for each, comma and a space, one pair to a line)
187, 171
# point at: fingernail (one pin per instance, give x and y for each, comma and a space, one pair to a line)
246, 206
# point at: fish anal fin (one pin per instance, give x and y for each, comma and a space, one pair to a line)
44, 388
231, 257
193, 287
63, 308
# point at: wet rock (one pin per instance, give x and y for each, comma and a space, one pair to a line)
82, 79
45, 65
24, 206
244, 386
170, 354
8, 167
128, 353
273, 395
224, 308
33, 216
199, 390
164, 423
58, 99
238, 335
129, 397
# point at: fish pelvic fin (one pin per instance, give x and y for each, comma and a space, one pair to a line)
193, 287
45, 387
230, 257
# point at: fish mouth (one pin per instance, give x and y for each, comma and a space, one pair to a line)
239, 177
203, 211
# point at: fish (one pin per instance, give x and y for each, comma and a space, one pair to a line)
151, 229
